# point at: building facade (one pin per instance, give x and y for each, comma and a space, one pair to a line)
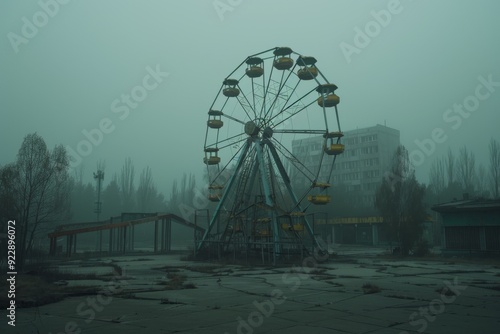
367, 158
470, 226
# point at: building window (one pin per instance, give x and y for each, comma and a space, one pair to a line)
352, 141
369, 138
369, 150
371, 174
371, 162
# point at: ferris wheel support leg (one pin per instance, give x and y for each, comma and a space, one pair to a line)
225, 194
268, 197
252, 178
288, 185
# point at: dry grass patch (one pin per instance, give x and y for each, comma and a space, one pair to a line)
369, 288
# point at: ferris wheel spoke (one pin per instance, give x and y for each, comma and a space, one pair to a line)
264, 110
244, 103
281, 86
289, 96
293, 131
269, 111
297, 200
276, 168
234, 144
221, 171
233, 118
218, 143
291, 114
294, 160
246, 179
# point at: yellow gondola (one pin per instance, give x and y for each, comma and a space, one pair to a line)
212, 158
283, 60
297, 225
327, 97
254, 67
262, 228
307, 73
231, 90
330, 100
335, 149
319, 199
254, 71
213, 197
215, 121
283, 63
263, 233
215, 193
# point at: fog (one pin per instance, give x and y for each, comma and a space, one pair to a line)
408, 64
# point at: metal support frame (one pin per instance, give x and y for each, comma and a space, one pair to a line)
226, 193
288, 185
268, 198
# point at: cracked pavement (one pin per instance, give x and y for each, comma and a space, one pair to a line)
347, 294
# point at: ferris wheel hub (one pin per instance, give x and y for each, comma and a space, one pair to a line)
251, 128
268, 132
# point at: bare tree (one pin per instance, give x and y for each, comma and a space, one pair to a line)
38, 183
437, 177
78, 174
399, 200
466, 168
494, 149
127, 185
482, 181
146, 192
181, 197
111, 198
450, 167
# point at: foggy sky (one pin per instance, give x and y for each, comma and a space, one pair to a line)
70, 75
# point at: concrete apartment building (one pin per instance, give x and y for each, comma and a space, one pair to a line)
366, 159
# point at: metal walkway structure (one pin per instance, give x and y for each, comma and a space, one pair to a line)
121, 234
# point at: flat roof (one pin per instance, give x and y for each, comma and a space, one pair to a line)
468, 205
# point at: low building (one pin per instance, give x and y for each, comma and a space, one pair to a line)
364, 230
470, 226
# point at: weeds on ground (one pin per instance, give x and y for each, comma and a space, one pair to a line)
369, 288
177, 282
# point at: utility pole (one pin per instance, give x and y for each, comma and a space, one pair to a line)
99, 176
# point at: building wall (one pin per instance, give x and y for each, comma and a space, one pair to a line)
471, 231
470, 219
367, 158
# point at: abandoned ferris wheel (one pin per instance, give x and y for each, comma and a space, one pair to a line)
271, 99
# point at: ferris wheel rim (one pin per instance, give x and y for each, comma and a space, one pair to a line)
262, 119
